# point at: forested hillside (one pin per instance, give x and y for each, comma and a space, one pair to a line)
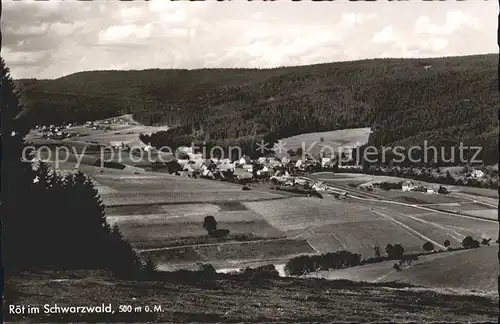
406, 101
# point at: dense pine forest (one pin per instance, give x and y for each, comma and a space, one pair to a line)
406, 101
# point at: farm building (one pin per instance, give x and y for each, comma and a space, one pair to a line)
185, 149
326, 161
264, 170
408, 186
263, 160
116, 144
245, 159
476, 174
207, 173
319, 186
197, 163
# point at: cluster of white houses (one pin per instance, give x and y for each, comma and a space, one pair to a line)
194, 164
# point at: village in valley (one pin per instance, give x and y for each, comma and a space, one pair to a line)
287, 173
195, 162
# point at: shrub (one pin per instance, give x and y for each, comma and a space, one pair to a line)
428, 246
447, 243
390, 185
209, 224
397, 267
394, 251
299, 266
207, 269
262, 272
469, 242
305, 264
486, 242
219, 233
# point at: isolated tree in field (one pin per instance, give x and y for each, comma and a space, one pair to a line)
210, 224
428, 246
447, 243
376, 250
395, 251
469, 242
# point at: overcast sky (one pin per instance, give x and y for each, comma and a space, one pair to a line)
56, 38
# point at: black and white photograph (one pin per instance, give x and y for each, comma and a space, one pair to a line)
249, 161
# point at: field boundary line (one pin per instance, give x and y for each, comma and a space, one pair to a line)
312, 247
203, 202
428, 209
422, 236
458, 237
212, 244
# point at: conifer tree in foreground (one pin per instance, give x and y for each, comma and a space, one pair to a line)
16, 175
50, 220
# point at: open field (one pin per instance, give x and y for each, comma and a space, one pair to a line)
126, 132
330, 225
475, 269
344, 139
428, 231
183, 223
158, 188
465, 226
234, 299
252, 250
157, 210
362, 236
165, 197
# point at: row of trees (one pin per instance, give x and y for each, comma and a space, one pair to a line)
305, 264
